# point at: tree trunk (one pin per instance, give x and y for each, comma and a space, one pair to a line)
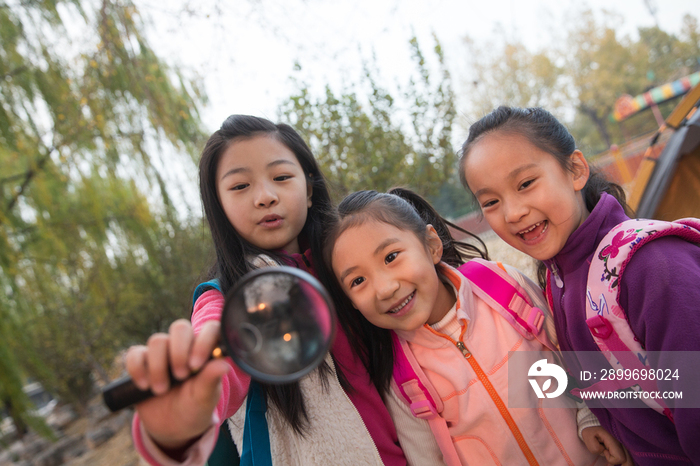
598, 122
20, 425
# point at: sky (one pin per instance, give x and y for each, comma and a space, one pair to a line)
245, 51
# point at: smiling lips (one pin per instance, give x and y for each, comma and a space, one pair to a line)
402, 305
535, 231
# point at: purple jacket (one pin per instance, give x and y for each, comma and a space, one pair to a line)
660, 292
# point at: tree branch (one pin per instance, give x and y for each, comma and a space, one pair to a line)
28, 176
15, 72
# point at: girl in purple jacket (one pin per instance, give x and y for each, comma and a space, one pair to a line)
539, 195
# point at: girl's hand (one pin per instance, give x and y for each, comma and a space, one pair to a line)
600, 442
178, 416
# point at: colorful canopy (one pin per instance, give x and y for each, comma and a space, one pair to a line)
627, 105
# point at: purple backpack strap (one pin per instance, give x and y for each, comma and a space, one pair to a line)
605, 318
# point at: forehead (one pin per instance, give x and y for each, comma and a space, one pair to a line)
500, 154
256, 152
361, 240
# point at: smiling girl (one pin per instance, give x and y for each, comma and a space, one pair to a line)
389, 261
539, 195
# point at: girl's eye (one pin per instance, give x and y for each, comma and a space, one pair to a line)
489, 203
282, 177
391, 257
357, 281
238, 187
526, 184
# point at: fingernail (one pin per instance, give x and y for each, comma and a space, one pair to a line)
181, 373
196, 363
159, 388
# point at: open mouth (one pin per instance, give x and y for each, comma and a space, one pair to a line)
403, 304
534, 231
270, 220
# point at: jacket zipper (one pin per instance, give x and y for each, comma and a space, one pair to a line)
481, 375
557, 278
561, 315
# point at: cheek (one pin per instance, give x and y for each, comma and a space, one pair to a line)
365, 311
495, 220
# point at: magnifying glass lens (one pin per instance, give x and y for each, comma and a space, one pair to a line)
277, 324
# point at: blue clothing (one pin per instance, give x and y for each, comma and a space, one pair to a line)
660, 292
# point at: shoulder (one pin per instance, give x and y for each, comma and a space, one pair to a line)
659, 293
665, 261
531, 288
538, 299
208, 306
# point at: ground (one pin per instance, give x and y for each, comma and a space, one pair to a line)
117, 451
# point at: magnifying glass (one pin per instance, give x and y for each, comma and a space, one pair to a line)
277, 325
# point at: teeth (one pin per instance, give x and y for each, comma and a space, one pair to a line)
400, 306
531, 228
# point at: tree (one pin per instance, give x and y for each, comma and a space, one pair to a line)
505, 72
89, 118
580, 76
364, 138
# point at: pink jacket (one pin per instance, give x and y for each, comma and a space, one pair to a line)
473, 388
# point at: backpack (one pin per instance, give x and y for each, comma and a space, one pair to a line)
606, 319
501, 292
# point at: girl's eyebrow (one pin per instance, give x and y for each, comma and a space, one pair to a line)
380, 248
384, 244
510, 176
274, 163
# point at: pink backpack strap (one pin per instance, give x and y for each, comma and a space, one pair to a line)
425, 403
605, 317
503, 293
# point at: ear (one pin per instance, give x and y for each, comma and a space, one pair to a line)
434, 244
309, 191
579, 169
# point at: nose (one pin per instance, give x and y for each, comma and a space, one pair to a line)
265, 196
514, 211
386, 287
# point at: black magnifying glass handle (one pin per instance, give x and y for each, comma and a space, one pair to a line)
123, 393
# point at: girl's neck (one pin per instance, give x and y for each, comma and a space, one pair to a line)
445, 300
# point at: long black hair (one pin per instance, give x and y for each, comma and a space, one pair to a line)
406, 210
546, 133
232, 250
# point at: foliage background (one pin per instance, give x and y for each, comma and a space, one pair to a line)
101, 235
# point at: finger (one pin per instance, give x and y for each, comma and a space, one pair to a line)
205, 341
136, 366
610, 458
628, 457
595, 446
207, 386
157, 360
616, 455
179, 346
